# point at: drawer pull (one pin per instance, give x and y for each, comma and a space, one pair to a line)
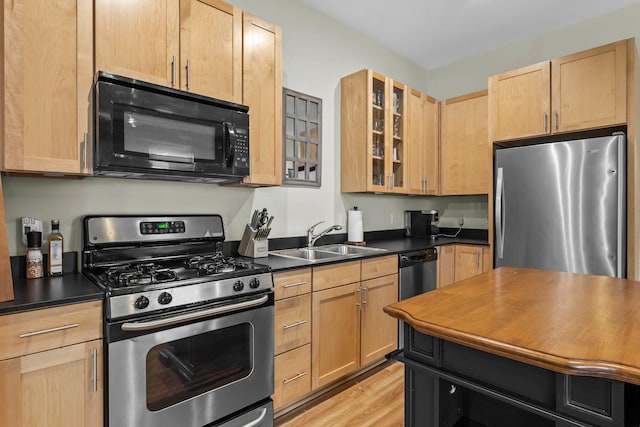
295, 377
291, 285
46, 331
293, 325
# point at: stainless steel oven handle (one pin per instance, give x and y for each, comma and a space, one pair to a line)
258, 420
153, 324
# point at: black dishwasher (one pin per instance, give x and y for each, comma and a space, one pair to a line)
418, 274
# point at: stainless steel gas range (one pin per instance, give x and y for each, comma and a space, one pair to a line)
188, 331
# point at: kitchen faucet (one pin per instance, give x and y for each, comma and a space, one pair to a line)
311, 238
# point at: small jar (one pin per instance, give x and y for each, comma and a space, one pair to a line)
35, 268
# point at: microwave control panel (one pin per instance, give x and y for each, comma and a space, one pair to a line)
241, 147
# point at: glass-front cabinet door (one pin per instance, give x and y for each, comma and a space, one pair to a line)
386, 134
379, 177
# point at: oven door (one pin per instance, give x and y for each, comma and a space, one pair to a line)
165, 372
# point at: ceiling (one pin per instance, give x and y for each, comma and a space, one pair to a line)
433, 33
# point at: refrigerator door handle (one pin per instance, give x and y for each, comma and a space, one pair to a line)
499, 216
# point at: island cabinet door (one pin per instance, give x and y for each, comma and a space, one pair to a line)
597, 401
335, 336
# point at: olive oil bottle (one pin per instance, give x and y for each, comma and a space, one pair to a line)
55, 249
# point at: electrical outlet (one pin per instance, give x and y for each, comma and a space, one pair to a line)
392, 219
461, 221
30, 224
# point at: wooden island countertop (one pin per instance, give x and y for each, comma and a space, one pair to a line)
569, 323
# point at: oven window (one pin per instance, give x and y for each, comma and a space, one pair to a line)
161, 138
179, 370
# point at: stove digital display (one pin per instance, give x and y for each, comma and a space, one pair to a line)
162, 227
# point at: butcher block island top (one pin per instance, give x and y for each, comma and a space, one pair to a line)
569, 323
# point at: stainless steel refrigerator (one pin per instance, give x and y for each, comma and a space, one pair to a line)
562, 206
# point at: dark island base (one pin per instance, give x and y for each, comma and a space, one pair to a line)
450, 385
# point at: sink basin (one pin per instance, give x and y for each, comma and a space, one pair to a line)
349, 249
326, 253
307, 254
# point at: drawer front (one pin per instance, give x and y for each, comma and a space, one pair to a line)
334, 275
292, 375
380, 266
292, 323
292, 283
39, 330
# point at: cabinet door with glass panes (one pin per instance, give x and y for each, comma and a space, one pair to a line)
373, 125
302, 138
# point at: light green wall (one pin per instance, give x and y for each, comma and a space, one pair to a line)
471, 74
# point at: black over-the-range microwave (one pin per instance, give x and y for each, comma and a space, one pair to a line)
144, 130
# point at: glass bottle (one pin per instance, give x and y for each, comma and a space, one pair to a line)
34, 255
55, 249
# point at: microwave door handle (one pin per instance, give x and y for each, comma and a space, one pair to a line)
228, 151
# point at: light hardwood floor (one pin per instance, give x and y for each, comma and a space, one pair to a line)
377, 400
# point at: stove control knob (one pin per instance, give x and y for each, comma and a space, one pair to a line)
238, 286
165, 298
141, 303
254, 283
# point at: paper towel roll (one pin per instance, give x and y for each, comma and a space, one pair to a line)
354, 226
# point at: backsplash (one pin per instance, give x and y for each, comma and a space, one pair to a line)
295, 209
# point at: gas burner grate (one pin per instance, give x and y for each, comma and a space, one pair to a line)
213, 264
139, 274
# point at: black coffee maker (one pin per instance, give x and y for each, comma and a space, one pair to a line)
421, 223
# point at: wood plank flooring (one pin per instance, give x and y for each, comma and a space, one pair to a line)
377, 400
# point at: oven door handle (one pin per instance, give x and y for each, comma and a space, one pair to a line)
258, 420
153, 324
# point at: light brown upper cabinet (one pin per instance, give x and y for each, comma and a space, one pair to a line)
465, 155
422, 144
46, 84
262, 92
373, 140
193, 45
585, 90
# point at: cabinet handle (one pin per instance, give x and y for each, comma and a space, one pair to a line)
359, 303
393, 180
545, 121
477, 261
293, 325
188, 75
173, 71
85, 155
555, 118
426, 185
295, 377
94, 369
46, 331
366, 296
291, 285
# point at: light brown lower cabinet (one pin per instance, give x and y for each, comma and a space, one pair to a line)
459, 262
349, 329
378, 330
53, 385
292, 336
292, 375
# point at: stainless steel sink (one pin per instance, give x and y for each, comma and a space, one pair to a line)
307, 254
326, 252
350, 249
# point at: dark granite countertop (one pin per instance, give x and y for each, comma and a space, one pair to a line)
30, 294
50, 291
395, 245
73, 287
